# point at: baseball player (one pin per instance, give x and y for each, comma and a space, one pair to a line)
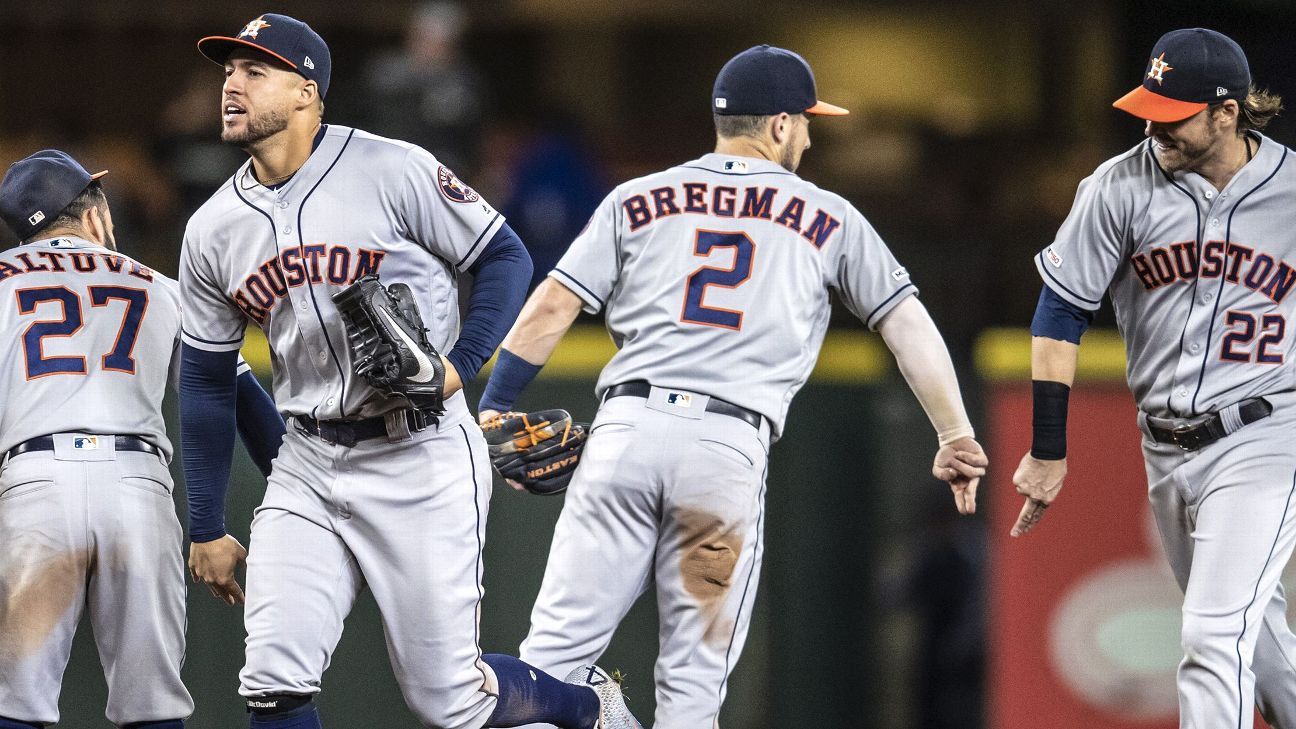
714, 276
1193, 236
86, 518
366, 491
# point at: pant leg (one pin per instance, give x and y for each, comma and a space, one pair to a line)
1243, 518
302, 580
1273, 665
417, 527
600, 560
44, 561
707, 565
137, 589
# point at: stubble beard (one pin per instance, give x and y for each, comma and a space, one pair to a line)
1185, 156
258, 128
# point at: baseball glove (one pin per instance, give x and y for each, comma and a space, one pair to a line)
538, 450
389, 344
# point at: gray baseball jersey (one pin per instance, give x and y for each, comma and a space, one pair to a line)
715, 276
337, 519
361, 204
1201, 280
91, 326
85, 526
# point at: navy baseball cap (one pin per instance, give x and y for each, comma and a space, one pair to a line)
765, 80
280, 37
36, 189
1189, 70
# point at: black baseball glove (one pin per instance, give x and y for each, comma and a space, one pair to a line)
389, 345
537, 450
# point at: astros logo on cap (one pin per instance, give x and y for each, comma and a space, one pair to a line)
453, 189
254, 27
1159, 67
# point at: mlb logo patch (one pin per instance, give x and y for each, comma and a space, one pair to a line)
722, 103
1053, 257
36, 217
899, 273
679, 399
735, 165
86, 442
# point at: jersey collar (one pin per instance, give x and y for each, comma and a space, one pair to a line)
730, 164
64, 242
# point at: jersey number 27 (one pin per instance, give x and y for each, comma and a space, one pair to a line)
704, 243
118, 359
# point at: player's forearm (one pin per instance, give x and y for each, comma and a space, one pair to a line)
924, 361
259, 423
1053, 360
544, 320
500, 278
207, 423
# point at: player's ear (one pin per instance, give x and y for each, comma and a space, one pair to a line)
309, 94
780, 127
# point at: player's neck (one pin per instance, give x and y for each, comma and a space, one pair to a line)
1219, 168
747, 147
278, 157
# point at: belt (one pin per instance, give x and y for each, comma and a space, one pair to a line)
640, 388
121, 443
349, 432
1199, 435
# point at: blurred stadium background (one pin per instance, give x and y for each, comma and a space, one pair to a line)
971, 124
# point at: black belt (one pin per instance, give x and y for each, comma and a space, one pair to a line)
640, 388
121, 443
1199, 435
349, 432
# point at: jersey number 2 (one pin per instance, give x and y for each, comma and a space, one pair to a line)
118, 359
704, 243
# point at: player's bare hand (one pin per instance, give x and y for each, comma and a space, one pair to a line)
484, 417
453, 383
214, 563
961, 464
1039, 481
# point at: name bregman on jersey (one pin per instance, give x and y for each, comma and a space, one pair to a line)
293, 267
728, 202
1260, 272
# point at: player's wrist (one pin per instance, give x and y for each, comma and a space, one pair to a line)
207, 536
1049, 418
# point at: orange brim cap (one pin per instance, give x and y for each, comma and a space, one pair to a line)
1151, 106
823, 108
97, 175
218, 47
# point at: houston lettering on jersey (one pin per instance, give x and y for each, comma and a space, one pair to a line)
338, 264
723, 201
1163, 265
60, 262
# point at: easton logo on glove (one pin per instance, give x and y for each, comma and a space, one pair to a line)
538, 450
389, 344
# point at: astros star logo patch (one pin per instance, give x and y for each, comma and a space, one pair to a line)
453, 189
1158, 68
251, 29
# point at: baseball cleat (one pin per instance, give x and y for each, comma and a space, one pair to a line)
613, 713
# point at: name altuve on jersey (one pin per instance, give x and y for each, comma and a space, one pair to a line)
1163, 265
723, 201
71, 261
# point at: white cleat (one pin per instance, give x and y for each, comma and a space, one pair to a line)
613, 713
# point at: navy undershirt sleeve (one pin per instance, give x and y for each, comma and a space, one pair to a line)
208, 387
1057, 318
500, 277
259, 424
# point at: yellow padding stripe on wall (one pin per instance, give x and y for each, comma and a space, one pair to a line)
848, 357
